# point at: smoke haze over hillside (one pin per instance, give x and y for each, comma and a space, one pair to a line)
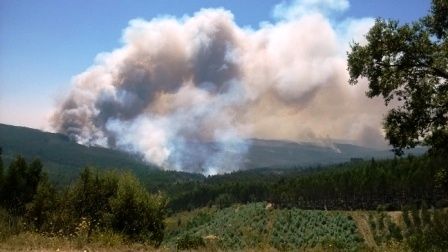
183, 83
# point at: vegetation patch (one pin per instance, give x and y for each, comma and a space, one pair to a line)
257, 226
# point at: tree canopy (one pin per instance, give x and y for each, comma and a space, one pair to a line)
407, 64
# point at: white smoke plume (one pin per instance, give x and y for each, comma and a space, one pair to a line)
187, 93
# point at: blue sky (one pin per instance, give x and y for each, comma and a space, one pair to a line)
44, 43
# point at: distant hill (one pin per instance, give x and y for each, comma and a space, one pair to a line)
64, 158
262, 153
268, 153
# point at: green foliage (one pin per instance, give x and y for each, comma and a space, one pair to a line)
224, 200
257, 226
361, 185
199, 219
441, 179
137, 213
1, 171
425, 230
394, 231
433, 237
300, 229
408, 64
189, 242
406, 218
385, 230
416, 221
110, 201
65, 159
20, 184
39, 210
97, 201
437, 21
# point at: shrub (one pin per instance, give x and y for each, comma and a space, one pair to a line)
103, 202
136, 213
188, 241
394, 231
224, 200
39, 210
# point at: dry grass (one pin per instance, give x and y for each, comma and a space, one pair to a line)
364, 229
30, 241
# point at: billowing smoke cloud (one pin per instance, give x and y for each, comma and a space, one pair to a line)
187, 93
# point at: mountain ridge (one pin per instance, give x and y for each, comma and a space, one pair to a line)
65, 157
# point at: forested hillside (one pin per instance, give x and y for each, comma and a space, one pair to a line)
64, 159
353, 185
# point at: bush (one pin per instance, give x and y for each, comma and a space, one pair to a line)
224, 200
39, 210
434, 237
189, 242
394, 231
136, 213
96, 202
19, 184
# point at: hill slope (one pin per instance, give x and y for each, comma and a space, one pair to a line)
64, 158
268, 153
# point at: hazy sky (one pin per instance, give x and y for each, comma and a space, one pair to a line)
44, 43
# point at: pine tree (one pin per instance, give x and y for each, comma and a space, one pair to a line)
43, 204
14, 186
1, 174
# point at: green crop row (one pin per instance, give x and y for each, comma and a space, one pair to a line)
255, 225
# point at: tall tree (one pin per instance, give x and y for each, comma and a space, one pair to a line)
408, 66
1, 172
15, 184
33, 176
43, 204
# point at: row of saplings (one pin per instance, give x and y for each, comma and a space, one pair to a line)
95, 202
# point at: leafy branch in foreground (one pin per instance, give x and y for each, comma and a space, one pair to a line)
408, 66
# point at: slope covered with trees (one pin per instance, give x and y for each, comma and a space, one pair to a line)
355, 185
64, 159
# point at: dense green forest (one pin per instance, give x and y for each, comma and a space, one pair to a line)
355, 185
